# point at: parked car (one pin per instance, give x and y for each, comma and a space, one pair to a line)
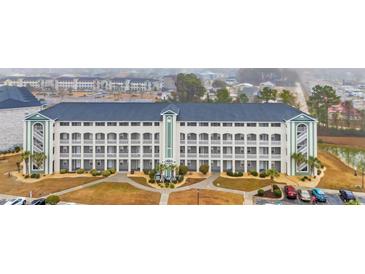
290, 192
304, 195
40, 201
16, 201
346, 195
319, 194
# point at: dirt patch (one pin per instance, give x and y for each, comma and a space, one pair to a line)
337, 174
112, 194
206, 197
358, 142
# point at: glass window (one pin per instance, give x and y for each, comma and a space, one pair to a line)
135, 124
88, 124
239, 124
99, 124
112, 124
263, 124
215, 124
275, 124
157, 124
251, 124
227, 124
64, 124
147, 124
123, 124
203, 124
182, 124
76, 124
192, 124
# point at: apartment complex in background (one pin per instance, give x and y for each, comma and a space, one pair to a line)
136, 136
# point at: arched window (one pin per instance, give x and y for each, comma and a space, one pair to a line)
64, 136
301, 129
251, 137
264, 137
147, 136
100, 136
215, 136
191, 136
157, 136
239, 137
275, 137
182, 136
135, 136
203, 136
76, 136
88, 136
123, 136
227, 137
112, 136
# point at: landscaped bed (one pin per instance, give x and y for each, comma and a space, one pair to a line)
243, 184
10, 186
206, 197
111, 193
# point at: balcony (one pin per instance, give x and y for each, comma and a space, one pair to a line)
192, 142
135, 154
112, 141
264, 143
215, 142
227, 156
147, 155
182, 155
203, 155
182, 142
157, 141
147, 141
64, 141
239, 156
264, 156
64, 155
88, 141
100, 154
78, 141
251, 143
88, 155
112, 155
275, 156
276, 143
204, 142
76, 155
227, 142
215, 155
135, 141
192, 155
123, 154
157, 155
239, 142
98, 142
123, 141
251, 156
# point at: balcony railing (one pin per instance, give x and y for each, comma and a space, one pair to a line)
157, 141
191, 155
215, 155
276, 143
192, 142
215, 142
123, 141
251, 156
64, 155
88, 155
239, 142
88, 141
227, 155
239, 156
203, 155
147, 141
100, 154
78, 141
203, 142
123, 154
76, 155
264, 143
251, 143
157, 155
275, 156
182, 154
227, 142
64, 141
182, 142
99, 141
112, 141
135, 154
264, 156
112, 154
135, 141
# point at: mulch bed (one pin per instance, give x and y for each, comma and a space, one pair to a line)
268, 194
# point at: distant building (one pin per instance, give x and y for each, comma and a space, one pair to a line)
169, 83
15, 104
342, 112
30, 82
132, 84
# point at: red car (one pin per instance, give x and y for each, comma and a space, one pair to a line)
290, 192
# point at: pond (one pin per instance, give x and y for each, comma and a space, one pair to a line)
353, 157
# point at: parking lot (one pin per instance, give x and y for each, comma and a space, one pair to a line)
332, 199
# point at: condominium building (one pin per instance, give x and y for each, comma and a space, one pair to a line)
33, 82
136, 136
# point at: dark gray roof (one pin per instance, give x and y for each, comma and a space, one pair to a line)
269, 112
16, 97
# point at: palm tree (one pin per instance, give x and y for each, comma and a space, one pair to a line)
313, 162
298, 158
39, 158
272, 173
25, 157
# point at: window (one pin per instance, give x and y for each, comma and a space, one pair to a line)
251, 124
263, 124
147, 124
123, 124
227, 124
275, 124
112, 124
215, 124
76, 124
192, 124
64, 124
239, 124
182, 124
135, 124
203, 124
99, 124
88, 124
157, 124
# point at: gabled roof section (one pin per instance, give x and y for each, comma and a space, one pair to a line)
302, 117
171, 108
37, 116
17, 97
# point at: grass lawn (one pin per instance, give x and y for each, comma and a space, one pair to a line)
110, 193
337, 174
243, 184
191, 181
206, 197
8, 185
140, 180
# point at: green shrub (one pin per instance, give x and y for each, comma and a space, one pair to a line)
275, 187
167, 184
26, 176
172, 186
146, 171
105, 173
353, 202
160, 184
319, 172
112, 170
94, 172
52, 200
183, 170
180, 178
63, 171
152, 174
204, 168
302, 179
151, 181
80, 171
253, 173
35, 176
263, 175
230, 173
277, 192
17, 149
260, 192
